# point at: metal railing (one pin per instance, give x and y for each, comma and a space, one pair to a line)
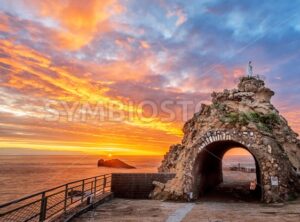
49, 204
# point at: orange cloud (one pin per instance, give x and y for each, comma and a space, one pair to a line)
78, 21
33, 133
145, 45
29, 72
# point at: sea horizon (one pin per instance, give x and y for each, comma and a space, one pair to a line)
21, 175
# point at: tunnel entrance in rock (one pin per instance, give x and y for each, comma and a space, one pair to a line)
219, 175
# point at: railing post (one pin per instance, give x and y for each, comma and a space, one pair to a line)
95, 187
43, 210
66, 197
104, 183
71, 195
110, 177
82, 193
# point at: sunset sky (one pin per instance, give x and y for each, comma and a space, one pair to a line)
58, 56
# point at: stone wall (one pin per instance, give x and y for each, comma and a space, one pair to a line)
136, 185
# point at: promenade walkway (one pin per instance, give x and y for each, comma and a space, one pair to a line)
119, 210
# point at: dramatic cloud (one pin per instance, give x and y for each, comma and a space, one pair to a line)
67, 54
75, 22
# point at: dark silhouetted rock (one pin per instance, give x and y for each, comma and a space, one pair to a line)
114, 163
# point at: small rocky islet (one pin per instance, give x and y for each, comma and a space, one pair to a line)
114, 163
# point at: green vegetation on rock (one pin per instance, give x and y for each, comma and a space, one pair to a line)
264, 122
219, 106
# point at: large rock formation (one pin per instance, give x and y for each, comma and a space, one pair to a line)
242, 117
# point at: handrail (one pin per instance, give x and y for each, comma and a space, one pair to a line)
45, 205
48, 190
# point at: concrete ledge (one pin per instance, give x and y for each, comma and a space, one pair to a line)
136, 185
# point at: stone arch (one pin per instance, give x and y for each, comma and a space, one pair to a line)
245, 116
208, 169
265, 152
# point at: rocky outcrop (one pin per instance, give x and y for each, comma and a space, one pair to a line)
114, 163
243, 117
170, 159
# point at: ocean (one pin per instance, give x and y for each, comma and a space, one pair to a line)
23, 175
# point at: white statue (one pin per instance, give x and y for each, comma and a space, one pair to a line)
250, 69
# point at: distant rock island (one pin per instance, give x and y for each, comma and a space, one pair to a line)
114, 163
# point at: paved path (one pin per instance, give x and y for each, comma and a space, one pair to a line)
246, 212
180, 213
119, 210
